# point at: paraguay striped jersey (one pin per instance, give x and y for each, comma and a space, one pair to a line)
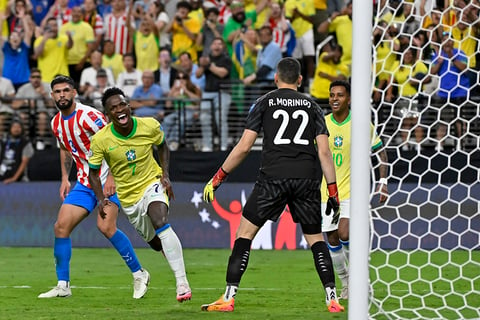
74, 133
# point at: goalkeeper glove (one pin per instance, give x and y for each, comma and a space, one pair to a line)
333, 203
213, 184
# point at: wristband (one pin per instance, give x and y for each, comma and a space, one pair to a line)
219, 177
329, 20
383, 181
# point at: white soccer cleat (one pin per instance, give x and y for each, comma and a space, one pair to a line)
57, 292
140, 284
184, 292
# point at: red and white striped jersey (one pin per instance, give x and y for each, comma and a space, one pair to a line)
96, 21
116, 30
280, 37
74, 133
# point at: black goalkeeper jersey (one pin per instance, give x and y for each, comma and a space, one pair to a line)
291, 121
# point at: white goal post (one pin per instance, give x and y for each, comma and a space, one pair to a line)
416, 256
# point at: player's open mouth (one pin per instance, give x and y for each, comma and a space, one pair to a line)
123, 119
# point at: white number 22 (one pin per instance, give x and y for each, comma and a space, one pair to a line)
297, 139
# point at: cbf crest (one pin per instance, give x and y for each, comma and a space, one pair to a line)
131, 156
338, 141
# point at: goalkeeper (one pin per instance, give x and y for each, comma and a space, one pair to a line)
290, 174
336, 225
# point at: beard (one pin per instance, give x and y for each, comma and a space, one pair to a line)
64, 106
239, 17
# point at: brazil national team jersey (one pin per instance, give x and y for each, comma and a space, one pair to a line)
129, 158
290, 121
339, 142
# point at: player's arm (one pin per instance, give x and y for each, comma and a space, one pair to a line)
383, 171
236, 156
95, 164
328, 168
164, 159
66, 161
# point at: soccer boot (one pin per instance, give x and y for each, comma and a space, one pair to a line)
140, 284
334, 306
220, 305
57, 292
184, 292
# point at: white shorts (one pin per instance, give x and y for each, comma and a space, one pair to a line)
137, 214
304, 46
327, 220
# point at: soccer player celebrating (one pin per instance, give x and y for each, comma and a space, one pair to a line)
337, 227
73, 127
290, 175
144, 187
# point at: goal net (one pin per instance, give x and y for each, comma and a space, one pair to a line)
425, 252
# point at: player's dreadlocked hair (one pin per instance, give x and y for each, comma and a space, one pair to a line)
111, 92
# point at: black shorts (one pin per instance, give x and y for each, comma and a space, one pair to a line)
269, 198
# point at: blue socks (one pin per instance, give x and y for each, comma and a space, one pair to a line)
62, 250
124, 247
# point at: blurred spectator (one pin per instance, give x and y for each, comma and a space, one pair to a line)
216, 68
89, 75
301, 14
211, 29
7, 92
186, 64
18, 17
334, 6
33, 98
385, 55
60, 11
329, 69
465, 34
196, 11
83, 43
165, 75
408, 77
93, 94
157, 10
16, 150
224, 12
183, 109
238, 23
51, 51
112, 60
104, 7
321, 14
267, 58
94, 19
145, 40
115, 27
40, 10
449, 63
283, 33
131, 78
16, 52
340, 23
137, 9
184, 31
145, 100
244, 57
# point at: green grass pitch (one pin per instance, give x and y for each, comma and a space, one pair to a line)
277, 285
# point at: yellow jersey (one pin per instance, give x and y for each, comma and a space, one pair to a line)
339, 142
82, 35
299, 25
130, 158
402, 74
320, 87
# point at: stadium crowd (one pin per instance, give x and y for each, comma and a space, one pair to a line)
425, 52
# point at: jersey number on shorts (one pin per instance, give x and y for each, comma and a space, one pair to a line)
297, 139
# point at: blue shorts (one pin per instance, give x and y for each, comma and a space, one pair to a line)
84, 197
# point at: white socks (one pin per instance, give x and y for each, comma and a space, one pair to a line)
172, 249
